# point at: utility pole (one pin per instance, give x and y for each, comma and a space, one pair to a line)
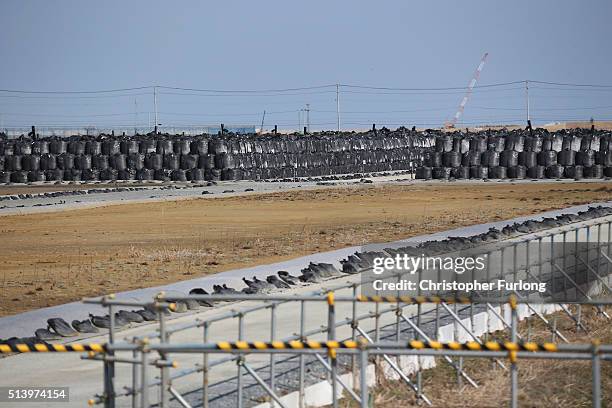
527, 99
155, 106
338, 105
262, 122
308, 117
135, 116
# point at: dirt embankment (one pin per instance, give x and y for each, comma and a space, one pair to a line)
48, 259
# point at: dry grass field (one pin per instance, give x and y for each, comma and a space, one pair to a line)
53, 258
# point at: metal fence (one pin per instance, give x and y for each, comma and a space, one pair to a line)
378, 327
61, 131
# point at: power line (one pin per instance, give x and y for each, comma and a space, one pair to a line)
431, 89
247, 90
281, 90
77, 92
570, 84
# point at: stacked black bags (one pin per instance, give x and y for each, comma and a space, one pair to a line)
519, 154
206, 157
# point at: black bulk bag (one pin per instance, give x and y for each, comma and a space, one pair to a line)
40, 147
195, 174
533, 144
72, 175
479, 172
182, 146
566, 157
497, 172
451, 159
508, 158
536, 172
36, 175
478, 144
12, 163
165, 147
517, 172
30, 162
145, 174
136, 161
111, 147
171, 161
57, 147
547, 158
441, 173
108, 174
585, 158
496, 144
154, 161
163, 174
199, 146
99, 162
147, 146
189, 161
433, 159
76, 147
574, 172
556, 171
206, 161
515, 142
604, 158
471, 158
82, 162
93, 147
490, 158
19, 177
54, 175
595, 171
65, 161
179, 175
444, 143
118, 162
126, 174
90, 175
528, 159
460, 172
217, 146
423, 173
128, 147
23, 148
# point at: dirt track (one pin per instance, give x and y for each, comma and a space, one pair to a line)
48, 259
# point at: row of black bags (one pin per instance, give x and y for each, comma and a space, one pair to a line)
515, 172
511, 158
173, 161
227, 143
194, 174
519, 141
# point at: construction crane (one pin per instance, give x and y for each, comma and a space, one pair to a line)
451, 124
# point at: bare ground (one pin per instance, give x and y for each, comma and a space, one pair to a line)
53, 258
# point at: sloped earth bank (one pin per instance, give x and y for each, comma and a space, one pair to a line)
542, 383
54, 258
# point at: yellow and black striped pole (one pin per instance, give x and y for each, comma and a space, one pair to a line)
413, 299
412, 344
51, 348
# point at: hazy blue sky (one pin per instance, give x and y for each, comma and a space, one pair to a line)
77, 46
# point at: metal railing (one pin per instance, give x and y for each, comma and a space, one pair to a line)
403, 314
